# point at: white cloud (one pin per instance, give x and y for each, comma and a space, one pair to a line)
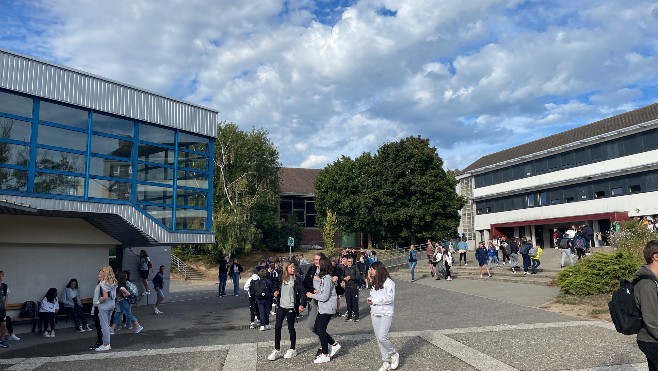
480, 74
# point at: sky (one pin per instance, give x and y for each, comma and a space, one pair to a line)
332, 78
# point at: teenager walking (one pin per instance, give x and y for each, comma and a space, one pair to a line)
107, 285
324, 291
413, 260
381, 301
481, 257
292, 300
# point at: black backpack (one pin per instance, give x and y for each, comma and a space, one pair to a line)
262, 289
28, 310
624, 313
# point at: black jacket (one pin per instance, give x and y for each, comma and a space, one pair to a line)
300, 292
354, 274
230, 269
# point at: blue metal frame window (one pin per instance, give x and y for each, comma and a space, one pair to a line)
60, 151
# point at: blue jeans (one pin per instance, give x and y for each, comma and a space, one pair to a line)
526, 262
125, 309
412, 267
236, 284
222, 283
493, 259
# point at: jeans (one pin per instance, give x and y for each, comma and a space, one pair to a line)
565, 253
320, 328
493, 259
77, 314
514, 260
412, 267
290, 315
236, 284
264, 307
462, 253
526, 262
352, 301
125, 309
222, 283
535, 264
381, 325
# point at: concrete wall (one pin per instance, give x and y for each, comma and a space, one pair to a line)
42, 252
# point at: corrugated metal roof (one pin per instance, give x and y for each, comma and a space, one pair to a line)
608, 125
46, 80
122, 222
298, 181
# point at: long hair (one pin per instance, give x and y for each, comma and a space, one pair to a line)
107, 275
380, 276
51, 295
325, 266
68, 286
143, 254
285, 274
123, 277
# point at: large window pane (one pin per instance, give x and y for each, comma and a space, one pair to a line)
582, 156
14, 180
52, 136
59, 184
567, 159
14, 154
63, 115
110, 168
192, 179
191, 219
155, 174
112, 125
15, 104
110, 189
15, 129
192, 161
157, 195
193, 142
612, 149
156, 135
163, 214
111, 146
650, 140
187, 197
159, 155
60, 161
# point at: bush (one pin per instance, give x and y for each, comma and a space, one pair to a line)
598, 274
631, 239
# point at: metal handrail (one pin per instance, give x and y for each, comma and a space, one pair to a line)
180, 265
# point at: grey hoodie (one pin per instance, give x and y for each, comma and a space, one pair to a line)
111, 290
646, 298
326, 295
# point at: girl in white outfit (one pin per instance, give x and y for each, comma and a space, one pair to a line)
382, 296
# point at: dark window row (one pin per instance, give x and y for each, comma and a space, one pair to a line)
619, 147
302, 207
611, 187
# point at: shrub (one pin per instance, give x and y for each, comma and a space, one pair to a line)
631, 239
598, 274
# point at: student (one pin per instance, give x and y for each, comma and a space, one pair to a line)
429, 251
481, 257
72, 304
647, 301
47, 311
325, 294
534, 261
381, 301
350, 282
290, 291
107, 285
524, 250
447, 262
10, 330
253, 307
235, 270
412, 261
158, 286
145, 266
122, 300
261, 290
462, 247
4, 292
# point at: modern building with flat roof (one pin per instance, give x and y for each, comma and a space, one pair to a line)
88, 164
594, 174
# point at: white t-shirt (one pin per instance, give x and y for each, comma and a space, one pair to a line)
571, 233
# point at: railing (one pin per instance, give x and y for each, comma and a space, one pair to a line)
179, 265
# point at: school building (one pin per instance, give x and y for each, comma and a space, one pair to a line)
87, 165
596, 174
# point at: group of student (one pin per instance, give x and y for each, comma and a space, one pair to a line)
488, 255
113, 297
439, 258
317, 292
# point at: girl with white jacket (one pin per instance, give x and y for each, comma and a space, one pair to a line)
381, 301
47, 311
253, 307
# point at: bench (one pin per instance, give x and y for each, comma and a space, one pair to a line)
86, 308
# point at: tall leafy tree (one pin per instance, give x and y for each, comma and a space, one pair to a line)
414, 196
246, 193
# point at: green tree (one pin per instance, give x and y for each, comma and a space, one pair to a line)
329, 229
414, 196
246, 190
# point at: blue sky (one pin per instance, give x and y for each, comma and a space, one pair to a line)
328, 78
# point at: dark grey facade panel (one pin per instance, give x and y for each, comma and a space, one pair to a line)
46, 80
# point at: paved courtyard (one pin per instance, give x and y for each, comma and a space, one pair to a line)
459, 325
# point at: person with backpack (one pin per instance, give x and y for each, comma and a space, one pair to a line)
646, 300
524, 250
579, 244
104, 296
325, 294
292, 300
126, 293
253, 306
72, 304
158, 286
534, 258
514, 244
413, 260
262, 291
145, 266
565, 246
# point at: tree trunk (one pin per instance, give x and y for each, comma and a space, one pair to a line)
369, 242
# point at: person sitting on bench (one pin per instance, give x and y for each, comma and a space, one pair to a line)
73, 305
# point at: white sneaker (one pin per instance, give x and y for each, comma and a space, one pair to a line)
52, 333
322, 358
395, 360
334, 350
14, 337
87, 328
268, 327
103, 348
385, 367
46, 334
157, 311
139, 329
262, 328
290, 353
275, 354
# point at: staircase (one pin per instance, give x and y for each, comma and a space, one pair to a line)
188, 272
